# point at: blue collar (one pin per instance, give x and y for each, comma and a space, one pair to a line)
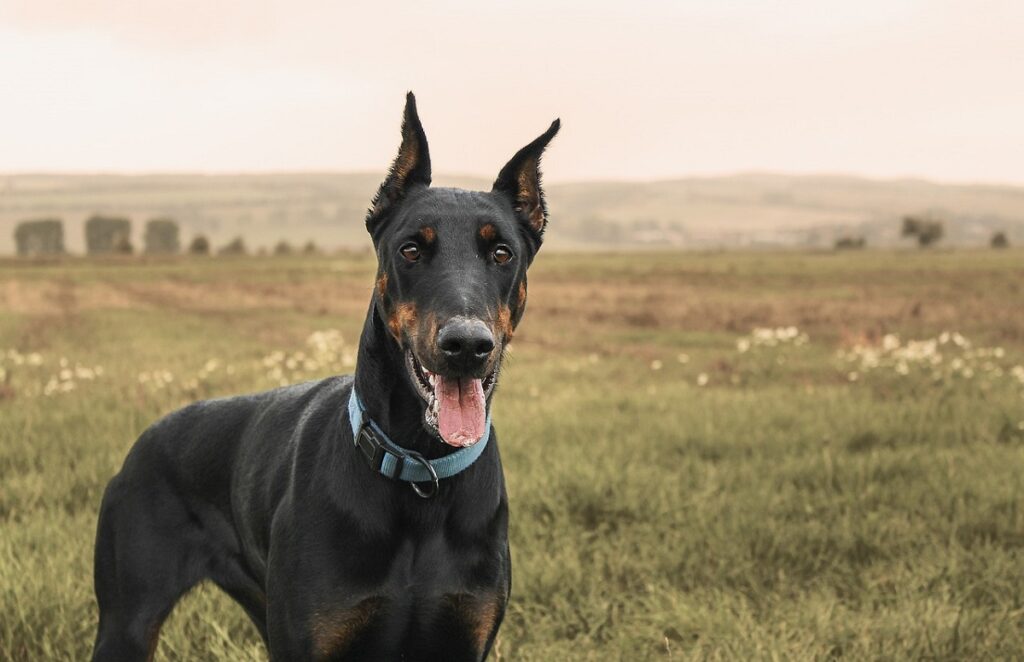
397, 463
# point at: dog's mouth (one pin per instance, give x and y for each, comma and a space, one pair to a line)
456, 407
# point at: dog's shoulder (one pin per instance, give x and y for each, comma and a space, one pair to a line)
209, 433
229, 417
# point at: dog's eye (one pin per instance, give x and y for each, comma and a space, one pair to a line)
410, 251
501, 254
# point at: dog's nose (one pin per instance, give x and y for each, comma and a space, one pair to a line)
465, 343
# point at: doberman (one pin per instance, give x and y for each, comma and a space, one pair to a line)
359, 517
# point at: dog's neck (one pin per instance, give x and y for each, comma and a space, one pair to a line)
384, 389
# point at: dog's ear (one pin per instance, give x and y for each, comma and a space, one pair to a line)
411, 167
520, 181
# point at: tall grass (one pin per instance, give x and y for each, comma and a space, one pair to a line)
680, 486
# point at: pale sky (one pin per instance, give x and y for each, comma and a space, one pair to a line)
661, 89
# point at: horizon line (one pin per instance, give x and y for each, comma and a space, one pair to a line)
549, 181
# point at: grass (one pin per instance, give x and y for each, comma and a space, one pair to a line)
784, 509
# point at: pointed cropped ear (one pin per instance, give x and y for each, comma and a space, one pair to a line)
411, 166
520, 181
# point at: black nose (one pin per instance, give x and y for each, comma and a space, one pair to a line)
465, 343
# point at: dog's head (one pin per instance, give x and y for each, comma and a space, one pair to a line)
451, 278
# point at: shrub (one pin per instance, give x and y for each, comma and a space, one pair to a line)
999, 240
283, 248
200, 246
234, 247
850, 243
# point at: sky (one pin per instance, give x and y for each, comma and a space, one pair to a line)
645, 90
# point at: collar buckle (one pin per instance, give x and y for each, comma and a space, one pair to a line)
371, 446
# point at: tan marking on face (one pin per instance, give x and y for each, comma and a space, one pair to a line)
503, 325
382, 285
428, 234
521, 298
479, 612
403, 319
432, 329
488, 232
334, 631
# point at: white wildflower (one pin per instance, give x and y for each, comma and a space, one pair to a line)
84, 373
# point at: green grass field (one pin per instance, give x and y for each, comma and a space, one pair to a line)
689, 477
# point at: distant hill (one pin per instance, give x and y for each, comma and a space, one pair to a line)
746, 210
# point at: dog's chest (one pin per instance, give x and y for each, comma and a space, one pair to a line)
431, 586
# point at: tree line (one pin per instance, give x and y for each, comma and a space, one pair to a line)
108, 235
925, 230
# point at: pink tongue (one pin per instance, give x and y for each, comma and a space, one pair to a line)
462, 412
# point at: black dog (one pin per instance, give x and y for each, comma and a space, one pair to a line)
354, 518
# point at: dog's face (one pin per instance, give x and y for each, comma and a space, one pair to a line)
451, 280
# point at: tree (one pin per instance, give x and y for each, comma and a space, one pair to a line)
283, 248
40, 237
108, 234
999, 240
927, 230
162, 237
200, 245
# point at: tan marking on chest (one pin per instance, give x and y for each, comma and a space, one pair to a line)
480, 613
334, 631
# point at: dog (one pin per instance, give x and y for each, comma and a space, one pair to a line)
360, 517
